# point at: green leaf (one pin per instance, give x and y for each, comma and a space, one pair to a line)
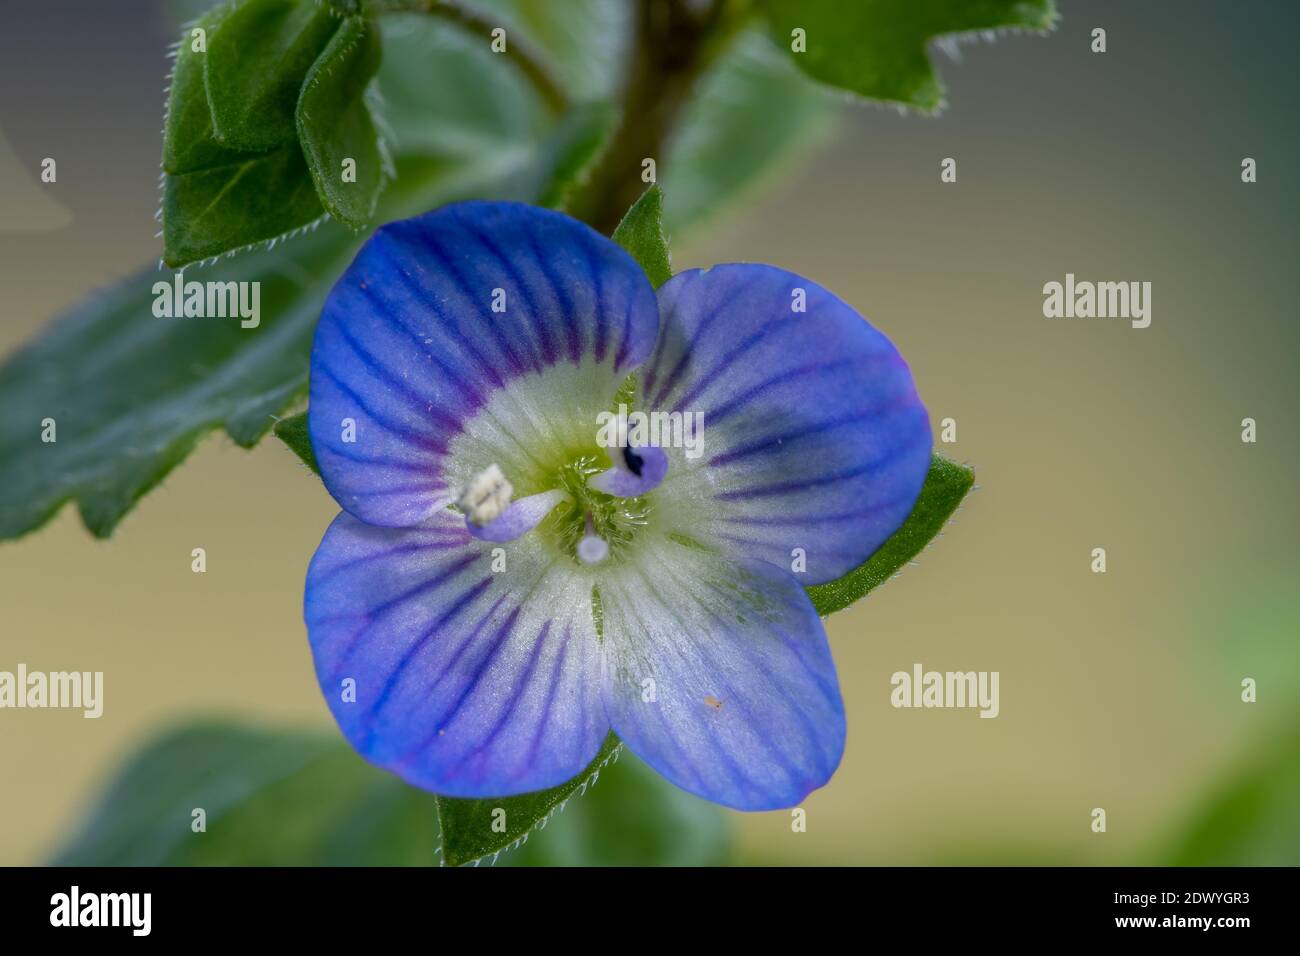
1251, 819
945, 487
632, 817
213, 211
133, 394
627, 815
278, 798
255, 68
215, 198
218, 199
754, 117
877, 48
335, 124
293, 432
641, 233
469, 827
188, 141
269, 798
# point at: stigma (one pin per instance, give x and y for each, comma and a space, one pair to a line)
592, 549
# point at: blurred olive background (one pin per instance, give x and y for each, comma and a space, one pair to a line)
1118, 690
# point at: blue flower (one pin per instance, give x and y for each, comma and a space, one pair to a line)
502, 588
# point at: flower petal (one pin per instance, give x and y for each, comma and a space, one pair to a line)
742, 706
813, 435
468, 336
467, 682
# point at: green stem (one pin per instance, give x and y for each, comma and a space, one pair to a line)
529, 62
675, 43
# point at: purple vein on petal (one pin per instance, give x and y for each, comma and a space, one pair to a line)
457, 277
534, 318
421, 441
458, 604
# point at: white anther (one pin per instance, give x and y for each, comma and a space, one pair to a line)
486, 496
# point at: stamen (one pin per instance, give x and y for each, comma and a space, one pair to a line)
592, 549
486, 496
490, 515
637, 470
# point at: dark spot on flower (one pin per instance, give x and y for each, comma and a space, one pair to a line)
633, 461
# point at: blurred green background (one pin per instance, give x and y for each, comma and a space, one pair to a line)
1119, 691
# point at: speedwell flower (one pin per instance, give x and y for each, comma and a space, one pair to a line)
502, 590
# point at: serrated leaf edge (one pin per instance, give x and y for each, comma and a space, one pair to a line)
371, 101
388, 169
948, 43
541, 823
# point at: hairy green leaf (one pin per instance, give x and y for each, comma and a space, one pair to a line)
219, 199
631, 817
213, 211
641, 233
293, 432
255, 68
216, 198
336, 128
188, 141
131, 393
877, 48
945, 487
470, 827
